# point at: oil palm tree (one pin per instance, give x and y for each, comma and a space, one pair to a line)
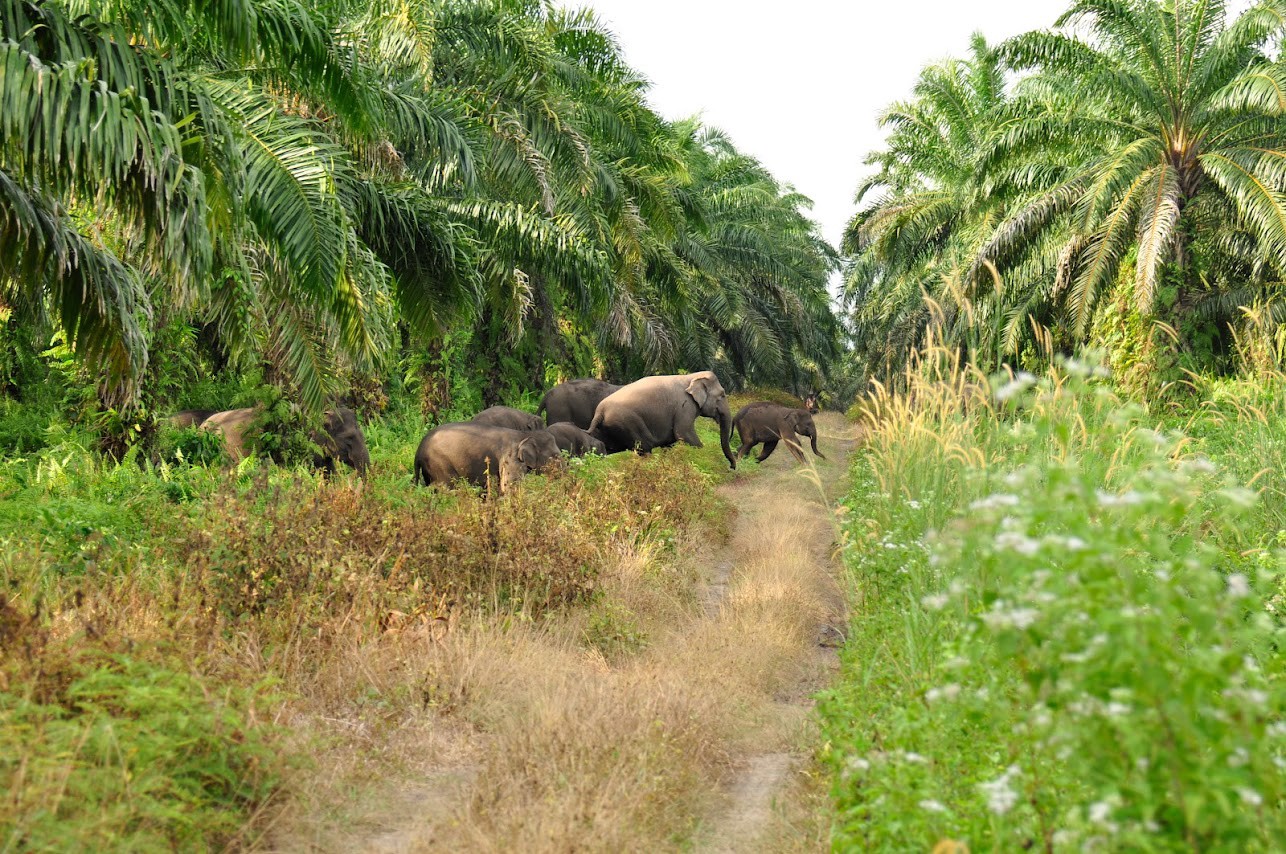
1169, 116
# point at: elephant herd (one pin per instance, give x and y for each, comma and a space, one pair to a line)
502, 444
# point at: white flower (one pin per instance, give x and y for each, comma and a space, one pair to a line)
913, 504
1251, 695
1108, 499
1240, 758
935, 601
1117, 710
1001, 795
1000, 617
1100, 812
915, 758
1238, 586
1251, 797
1017, 385
1020, 543
1277, 729
857, 763
992, 502
946, 692
933, 806
1240, 496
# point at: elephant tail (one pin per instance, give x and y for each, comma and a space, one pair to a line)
541, 410
421, 475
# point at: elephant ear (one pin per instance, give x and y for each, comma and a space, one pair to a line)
699, 390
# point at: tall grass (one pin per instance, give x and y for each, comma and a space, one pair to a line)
1064, 637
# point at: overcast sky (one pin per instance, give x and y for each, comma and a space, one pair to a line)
799, 83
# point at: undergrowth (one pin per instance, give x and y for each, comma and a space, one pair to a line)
156, 614
1066, 631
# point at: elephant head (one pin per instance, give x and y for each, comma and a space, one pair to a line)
712, 402
537, 451
531, 454
801, 421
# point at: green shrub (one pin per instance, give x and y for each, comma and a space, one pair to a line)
1063, 642
133, 756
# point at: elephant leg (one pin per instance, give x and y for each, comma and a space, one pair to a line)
746, 445
769, 447
689, 435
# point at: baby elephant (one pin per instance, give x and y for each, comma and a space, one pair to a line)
476, 452
770, 423
574, 440
507, 416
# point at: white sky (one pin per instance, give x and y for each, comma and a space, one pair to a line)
799, 84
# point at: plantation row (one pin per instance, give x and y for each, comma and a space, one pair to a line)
1114, 181
326, 200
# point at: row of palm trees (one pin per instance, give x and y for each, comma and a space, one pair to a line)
316, 182
1129, 161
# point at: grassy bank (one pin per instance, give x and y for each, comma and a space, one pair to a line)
1066, 622
175, 634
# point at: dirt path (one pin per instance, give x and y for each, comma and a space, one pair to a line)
784, 515
672, 714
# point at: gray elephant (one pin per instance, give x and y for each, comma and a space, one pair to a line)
478, 452
575, 401
656, 412
191, 417
339, 439
232, 425
770, 423
507, 416
574, 440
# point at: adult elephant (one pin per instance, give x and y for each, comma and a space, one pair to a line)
656, 412
574, 440
340, 438
771, 423
575, 401
507, 416
479, 452
191, 417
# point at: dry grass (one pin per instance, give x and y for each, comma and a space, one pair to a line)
614, 727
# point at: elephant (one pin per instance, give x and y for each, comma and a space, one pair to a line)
656, 412
477, 452
191, 417
574, 440
232, 424
507, 416
770, 423
340, 438
575, 401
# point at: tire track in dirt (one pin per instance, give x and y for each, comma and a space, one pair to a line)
763, 804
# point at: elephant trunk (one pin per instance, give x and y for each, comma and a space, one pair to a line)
812, 438
725, 434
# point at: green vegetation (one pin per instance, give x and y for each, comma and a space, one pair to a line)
1125, 190
1068, 625
329, 195
157, 619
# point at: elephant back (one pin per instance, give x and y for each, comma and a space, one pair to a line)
507, 416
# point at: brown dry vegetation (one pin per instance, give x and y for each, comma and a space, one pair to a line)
626, 725
284, 619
